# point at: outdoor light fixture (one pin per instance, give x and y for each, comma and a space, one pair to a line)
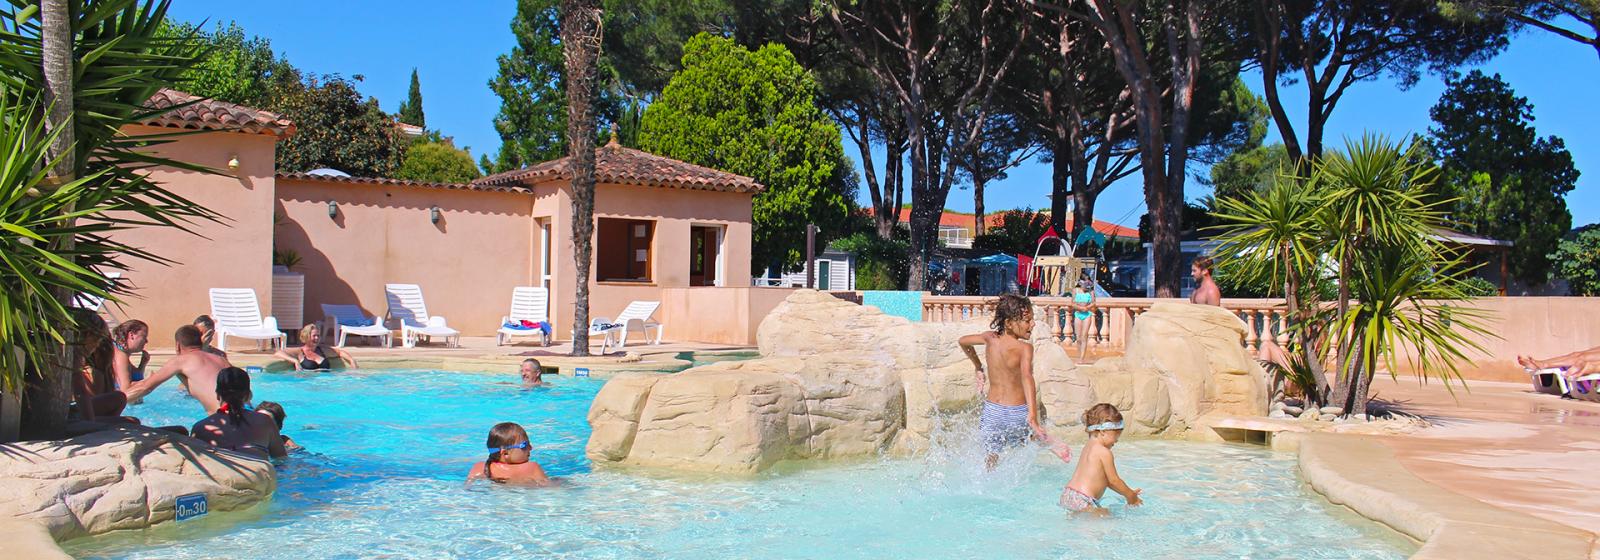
233, 163
333, 209
433, 214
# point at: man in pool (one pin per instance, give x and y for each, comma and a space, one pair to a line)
1010, 410
195, 368
532, 373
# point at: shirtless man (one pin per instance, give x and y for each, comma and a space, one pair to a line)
1206, 292
196, 368
1010, 412
532, 373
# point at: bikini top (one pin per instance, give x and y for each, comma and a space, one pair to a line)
1083, 297
307, 363
135, 373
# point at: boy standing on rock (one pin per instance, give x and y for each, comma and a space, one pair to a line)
1010, 409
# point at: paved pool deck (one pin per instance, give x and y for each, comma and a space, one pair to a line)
1505, 445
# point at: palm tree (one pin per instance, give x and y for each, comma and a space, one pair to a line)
580, 46
1370, 217
73, 74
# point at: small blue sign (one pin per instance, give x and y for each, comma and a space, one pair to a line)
191, 506
580, 372
253, 370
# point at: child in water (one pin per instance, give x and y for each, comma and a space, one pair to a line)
1010, 411
275, 410
509, 461
1097, 469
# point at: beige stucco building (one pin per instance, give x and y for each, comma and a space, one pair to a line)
664, 231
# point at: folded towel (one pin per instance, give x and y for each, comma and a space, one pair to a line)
357, 322
608, 326
517, 326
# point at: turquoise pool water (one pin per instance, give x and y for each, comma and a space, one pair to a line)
387, 453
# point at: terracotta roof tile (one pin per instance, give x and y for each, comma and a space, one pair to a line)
627, 166
400, 182
210, 114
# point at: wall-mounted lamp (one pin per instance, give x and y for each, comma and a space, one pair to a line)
433, 214
233, 163
333, 209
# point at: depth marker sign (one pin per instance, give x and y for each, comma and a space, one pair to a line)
191, 506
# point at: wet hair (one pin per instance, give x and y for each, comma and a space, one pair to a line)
1203, 263
1008, 307
501, 435
95, 339
273, 409
305, 332
120, 334
1100, 414
537, 367
233, 389
204, 320
187, 337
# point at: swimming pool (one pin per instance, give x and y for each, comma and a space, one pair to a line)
388, 451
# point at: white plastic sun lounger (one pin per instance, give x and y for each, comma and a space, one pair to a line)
530, 304
407, 308
1586, 388
238, 314
1550, 381
97, 304
345, 320
637, 315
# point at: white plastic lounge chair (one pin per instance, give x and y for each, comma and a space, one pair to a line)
344, 320
407, 308
1586, 388
238, 314
531, 304
638, 313
606, 330
1550, 381
97, 304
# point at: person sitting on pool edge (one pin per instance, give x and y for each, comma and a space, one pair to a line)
509, 458
312, 355
235, 427
275, 411
1097, 468
532, 373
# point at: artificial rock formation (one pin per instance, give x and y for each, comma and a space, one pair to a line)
838, 380
126, 477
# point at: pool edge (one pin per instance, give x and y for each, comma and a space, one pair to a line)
1363, 474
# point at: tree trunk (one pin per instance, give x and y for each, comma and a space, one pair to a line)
1060, 185
978, 225
580, 39
49, 395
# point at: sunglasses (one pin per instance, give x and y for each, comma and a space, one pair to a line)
523, 445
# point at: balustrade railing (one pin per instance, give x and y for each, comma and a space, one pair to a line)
1113, 318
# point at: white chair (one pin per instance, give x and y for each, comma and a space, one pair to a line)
639, 313
604, 328
407, 308
530, 304
238, 314
1550, 381
97, 304
345, 320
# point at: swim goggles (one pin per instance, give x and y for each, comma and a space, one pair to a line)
1104, 426
523, 445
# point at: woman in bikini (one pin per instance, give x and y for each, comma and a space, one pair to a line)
94, 388
126, 340
312, 355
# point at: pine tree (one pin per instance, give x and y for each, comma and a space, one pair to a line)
411, 109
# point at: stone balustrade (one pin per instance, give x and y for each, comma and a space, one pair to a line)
1113, 317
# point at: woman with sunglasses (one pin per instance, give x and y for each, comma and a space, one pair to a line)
509, 460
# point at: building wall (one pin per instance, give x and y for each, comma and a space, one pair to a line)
718, 315
674, 212
484, 245
1541, 327
236, 253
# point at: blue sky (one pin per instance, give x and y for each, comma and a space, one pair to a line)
454, 51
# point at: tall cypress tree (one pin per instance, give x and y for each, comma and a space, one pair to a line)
411, 109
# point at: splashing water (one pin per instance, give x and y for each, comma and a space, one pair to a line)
388, 452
